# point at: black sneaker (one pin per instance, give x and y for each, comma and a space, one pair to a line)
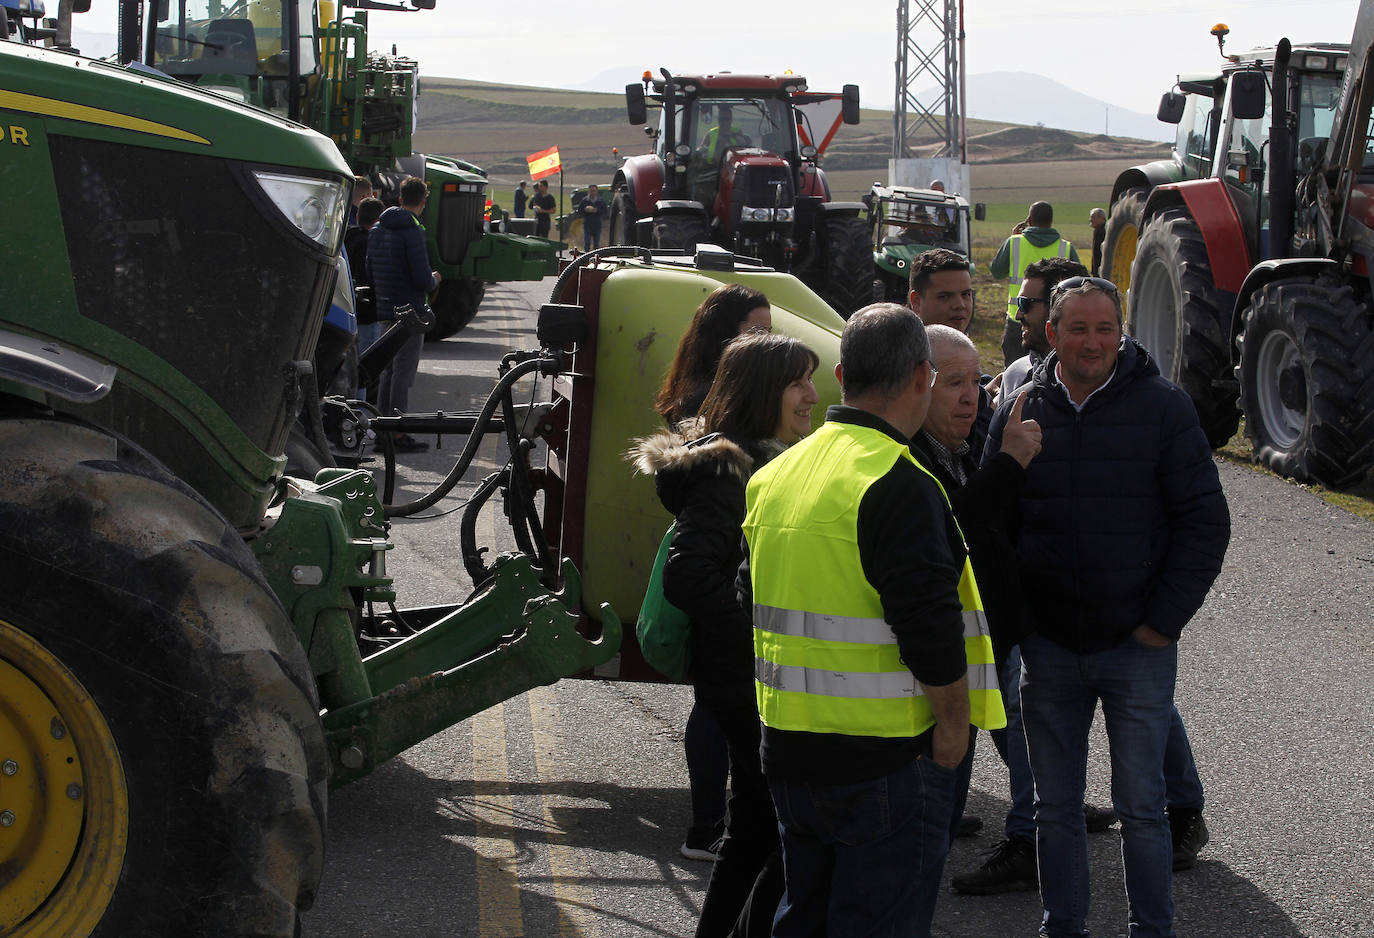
702, 843
1010, 867
1190, 835
968, 826
1097, 819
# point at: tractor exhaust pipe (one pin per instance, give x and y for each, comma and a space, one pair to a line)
1283, 170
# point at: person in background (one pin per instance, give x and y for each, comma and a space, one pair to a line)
1111, 589
872, 653
544, 206
362, 189
727, 312
937, 185
355, 246
521, 197
592, 208
1098, 220
1030, 241
759, 403
398, 265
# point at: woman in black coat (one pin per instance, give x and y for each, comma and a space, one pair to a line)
760, 402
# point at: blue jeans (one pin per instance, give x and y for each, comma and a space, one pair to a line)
864, 859
1011, 746
591, 236
394, 395
1059, 694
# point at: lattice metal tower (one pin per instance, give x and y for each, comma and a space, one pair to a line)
927, 58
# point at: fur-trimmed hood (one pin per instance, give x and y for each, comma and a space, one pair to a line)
688, 448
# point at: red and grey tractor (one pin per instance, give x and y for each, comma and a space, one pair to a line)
736, 163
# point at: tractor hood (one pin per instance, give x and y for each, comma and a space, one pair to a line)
122, 105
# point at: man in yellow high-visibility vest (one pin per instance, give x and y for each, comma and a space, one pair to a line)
872, 654
1031, 240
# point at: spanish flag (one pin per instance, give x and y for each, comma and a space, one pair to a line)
544, 163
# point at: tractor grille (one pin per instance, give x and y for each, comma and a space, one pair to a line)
461, 205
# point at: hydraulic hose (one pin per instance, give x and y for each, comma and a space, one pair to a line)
611, 250
455, 474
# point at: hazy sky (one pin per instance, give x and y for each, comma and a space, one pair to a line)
1125, 52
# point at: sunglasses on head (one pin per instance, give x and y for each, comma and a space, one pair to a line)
1073, 283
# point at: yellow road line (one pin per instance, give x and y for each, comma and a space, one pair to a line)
576, 907
498, 874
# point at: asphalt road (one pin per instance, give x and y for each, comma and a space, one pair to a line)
560, 811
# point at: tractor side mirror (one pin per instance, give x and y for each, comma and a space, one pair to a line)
980, 211
849, 104
422, 4
1248, 95
81, 6
634, 104
1171, 107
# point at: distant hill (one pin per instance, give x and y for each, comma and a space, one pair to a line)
496, 125
1027, 98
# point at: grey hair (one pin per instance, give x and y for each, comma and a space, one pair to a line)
1084, 289
944, 339
881, 347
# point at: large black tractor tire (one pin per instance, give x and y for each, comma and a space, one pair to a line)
455, 304
679, 231
1176, 313
1122, 236
623, 217
162, 700
1306, 378
845, 277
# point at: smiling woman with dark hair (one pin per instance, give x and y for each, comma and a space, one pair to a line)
759, 403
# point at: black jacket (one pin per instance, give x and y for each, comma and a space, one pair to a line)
986, 509
1123, 519
701, 480
397, 261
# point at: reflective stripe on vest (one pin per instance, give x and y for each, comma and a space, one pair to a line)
1020, 260
825, 660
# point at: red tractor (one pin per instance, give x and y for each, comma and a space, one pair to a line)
735, 163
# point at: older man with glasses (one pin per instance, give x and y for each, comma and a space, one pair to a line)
1123, 528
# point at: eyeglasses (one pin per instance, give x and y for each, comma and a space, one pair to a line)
1073, 283
1024, 303
934, 372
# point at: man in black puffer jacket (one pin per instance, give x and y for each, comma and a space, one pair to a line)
1122, 532
398, 264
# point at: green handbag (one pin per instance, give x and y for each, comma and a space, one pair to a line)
663, 628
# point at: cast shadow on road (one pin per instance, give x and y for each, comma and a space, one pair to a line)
1211, 900
409, 853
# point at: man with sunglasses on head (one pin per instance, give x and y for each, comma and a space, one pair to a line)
1123, 528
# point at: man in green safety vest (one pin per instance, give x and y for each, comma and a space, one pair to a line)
1031, 240
872, 653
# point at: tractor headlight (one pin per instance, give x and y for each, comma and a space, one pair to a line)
765, 214
316, 206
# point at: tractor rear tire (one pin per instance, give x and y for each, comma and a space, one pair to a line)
1306, 381
679, 231
623, 218
455, 305
847, 273
1176, 313
160, 695
1122, 235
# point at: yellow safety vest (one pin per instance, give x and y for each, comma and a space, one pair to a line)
1023, 254
732, 138
825, 660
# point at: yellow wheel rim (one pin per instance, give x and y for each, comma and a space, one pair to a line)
64, 810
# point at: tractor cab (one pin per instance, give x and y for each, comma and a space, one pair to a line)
907, 221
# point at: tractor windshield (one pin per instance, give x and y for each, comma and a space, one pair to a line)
715, 125
926, 223
239, 49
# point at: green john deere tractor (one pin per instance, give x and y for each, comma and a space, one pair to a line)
187, 652
364, 101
